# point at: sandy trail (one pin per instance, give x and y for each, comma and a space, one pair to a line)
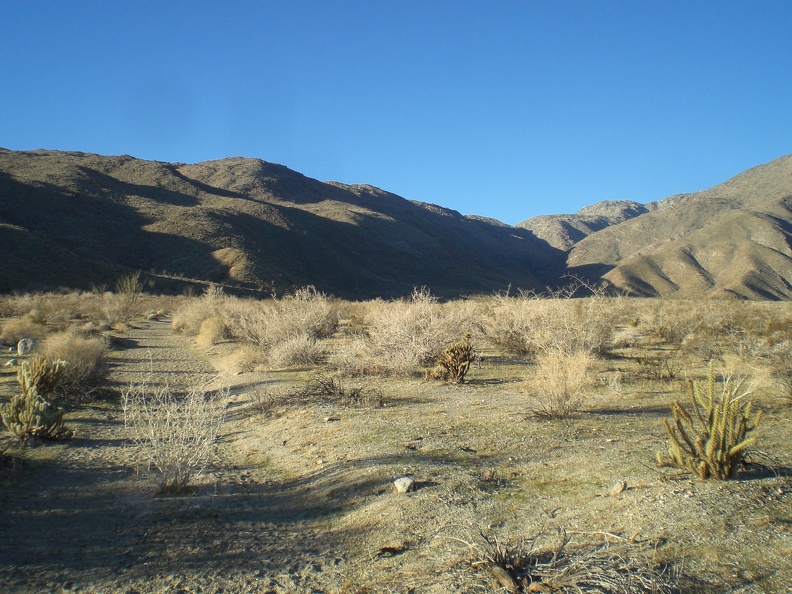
85, 519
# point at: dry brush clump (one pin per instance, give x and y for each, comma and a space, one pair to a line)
528, 324
712, 441
558, 387
86, 366
191, 315
289, 329
538, 564
175, 431
403, 336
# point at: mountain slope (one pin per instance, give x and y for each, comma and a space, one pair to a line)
731, 240
81, 219
564, 231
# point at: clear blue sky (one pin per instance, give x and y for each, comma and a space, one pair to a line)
506, 109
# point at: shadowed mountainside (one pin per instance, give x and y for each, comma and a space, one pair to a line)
75, 220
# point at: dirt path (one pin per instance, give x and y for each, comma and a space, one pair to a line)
83, 519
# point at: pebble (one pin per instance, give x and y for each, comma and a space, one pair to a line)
618, 488
403, 484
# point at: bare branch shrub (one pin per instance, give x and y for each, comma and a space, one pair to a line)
175, 432
288, 329
336, 389
558, 386
408, 334
299, 349
538, 564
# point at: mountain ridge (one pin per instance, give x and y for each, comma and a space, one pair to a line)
75, 220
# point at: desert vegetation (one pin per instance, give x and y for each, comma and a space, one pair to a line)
561, 442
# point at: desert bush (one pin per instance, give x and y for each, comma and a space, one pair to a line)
454, 362
16, 329
211, 331
408, 334
335, 389
128, 290
176, 432
557, 388
85, 360
30, 414
529, 324
712, 442
539, 564
659, 367
299, 349
187, 318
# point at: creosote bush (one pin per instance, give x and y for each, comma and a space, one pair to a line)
176, 432
712, 442
30, 414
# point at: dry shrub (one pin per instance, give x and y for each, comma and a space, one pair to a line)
86, 362
187, 319
244, 359
175, 432
530, 324
299, 349
539, 565
267, 323
408, 334
557, 388
211, 331
16, 329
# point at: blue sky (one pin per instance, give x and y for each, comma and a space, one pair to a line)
507, 109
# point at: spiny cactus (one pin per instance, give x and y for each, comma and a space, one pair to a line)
454, 362
29, 414
45, 375
711, 443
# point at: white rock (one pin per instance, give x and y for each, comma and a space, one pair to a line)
403, 484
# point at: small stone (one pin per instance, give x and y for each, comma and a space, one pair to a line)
11, 363
403, 484
618, 488
331, 419
152, 317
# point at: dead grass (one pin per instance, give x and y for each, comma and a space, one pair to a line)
320, 468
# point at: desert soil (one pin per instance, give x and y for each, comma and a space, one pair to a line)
299, 497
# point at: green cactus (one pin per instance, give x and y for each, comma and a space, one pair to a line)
29, 414
712, 442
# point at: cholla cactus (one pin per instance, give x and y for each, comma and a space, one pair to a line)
713, 444
29, 414
454, 362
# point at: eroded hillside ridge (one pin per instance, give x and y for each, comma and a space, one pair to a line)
76, 220
732, 240
81, 220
